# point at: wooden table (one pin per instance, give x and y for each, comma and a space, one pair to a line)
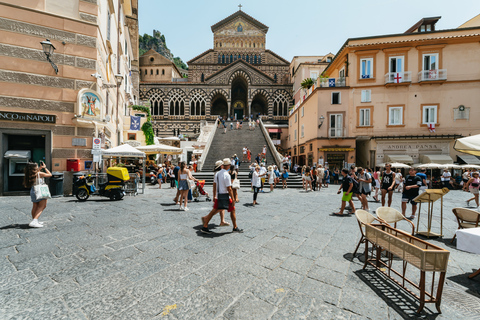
424, 256
430, 196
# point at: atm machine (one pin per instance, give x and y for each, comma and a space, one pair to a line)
17, 161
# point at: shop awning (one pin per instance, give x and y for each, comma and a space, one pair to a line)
336, 149
275, 130
469, 159
17, 154
436, 158
401, 158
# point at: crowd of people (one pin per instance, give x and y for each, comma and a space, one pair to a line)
237, 124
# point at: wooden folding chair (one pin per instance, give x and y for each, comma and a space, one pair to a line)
390, 215
466, 218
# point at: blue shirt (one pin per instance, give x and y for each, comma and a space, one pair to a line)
423, 176
285, 175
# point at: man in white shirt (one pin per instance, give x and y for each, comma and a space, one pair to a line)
262, 173
223, 197
244, 154
446, 178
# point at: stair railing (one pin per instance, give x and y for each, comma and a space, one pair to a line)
207, 146
276, 156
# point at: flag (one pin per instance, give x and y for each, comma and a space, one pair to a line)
398, 78
331, 82
431, 127
134, 123
365, 76
432, 74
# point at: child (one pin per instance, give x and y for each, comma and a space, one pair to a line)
284, 178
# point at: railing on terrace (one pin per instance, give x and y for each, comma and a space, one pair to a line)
331, 82
398, 77
339, 132
432, 75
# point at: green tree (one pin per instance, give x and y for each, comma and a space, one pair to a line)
307, 83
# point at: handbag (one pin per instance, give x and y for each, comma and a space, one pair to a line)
236, 184
41, 190
191, 183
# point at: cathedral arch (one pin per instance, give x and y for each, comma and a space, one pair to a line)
176, 101
239, 73
260, 102
197, 102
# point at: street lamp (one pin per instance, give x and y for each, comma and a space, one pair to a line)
322, 119
48, 49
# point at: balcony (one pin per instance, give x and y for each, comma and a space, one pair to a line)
331, 82
432, 75
398, 77
340, 132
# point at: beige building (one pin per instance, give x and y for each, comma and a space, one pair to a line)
157, 68
50, 114
403, 97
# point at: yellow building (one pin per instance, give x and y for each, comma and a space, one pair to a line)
401, 97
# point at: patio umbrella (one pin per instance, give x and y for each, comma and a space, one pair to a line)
160, 148
399, 165
470, 145
428, 165
470, 166
450, 166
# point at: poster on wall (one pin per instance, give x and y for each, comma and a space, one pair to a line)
90, 104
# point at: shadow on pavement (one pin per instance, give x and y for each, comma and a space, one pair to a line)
473, 285
212, 235
91, 200
396, 298
16, 226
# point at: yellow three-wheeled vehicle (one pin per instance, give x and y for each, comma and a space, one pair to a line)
113, 188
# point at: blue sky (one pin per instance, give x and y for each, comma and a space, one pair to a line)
296, 28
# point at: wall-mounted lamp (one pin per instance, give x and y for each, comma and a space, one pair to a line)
322, 119
119, 79
48, 49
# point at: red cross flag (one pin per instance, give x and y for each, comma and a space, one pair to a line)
398, 78
431, 127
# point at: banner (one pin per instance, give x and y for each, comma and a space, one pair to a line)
135, 123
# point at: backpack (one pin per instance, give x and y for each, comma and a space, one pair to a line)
250, 175
355, 185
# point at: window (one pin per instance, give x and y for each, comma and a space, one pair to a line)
395, 116
151, 72
396, 64
429, 115
341, 73
302, 132
157, 72
336, 125
336, 98
109, 21
275, 78
329, 59
132, 136
197, 103
366, 68
146, 71
430, 61
163, 72
295, 118
202, 78
314, 75
303, 111
364, 118
295, 135
366, 96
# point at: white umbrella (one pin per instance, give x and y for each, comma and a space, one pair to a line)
428, 165
399, 165
470, 145
470, 166
124, 150
160, 148
450, 166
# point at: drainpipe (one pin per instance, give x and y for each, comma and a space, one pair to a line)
118, 68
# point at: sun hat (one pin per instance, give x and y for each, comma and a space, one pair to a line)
226, 162
218, 164
269, 168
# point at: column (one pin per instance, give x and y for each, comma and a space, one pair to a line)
229, 105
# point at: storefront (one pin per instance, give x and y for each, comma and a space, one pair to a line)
413, 151
336, 158
21, 145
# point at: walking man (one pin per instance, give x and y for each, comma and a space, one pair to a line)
223, 195
264, 152
388, 183
411, 186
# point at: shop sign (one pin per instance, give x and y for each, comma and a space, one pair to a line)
29, 117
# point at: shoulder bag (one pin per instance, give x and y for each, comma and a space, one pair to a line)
236, 184
41, 189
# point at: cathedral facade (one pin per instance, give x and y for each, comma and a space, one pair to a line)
238, 78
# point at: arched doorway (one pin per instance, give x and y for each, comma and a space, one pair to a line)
219, 106
259, 105
239, 97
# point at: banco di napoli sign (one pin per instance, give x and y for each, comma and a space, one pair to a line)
29, 117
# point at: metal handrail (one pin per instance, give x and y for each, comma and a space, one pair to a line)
273, 150
207, 146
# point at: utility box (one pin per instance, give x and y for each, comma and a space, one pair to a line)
73, 165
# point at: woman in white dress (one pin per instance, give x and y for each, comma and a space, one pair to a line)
271, 177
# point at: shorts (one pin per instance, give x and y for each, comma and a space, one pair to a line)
347, 196
263, 180
407, 199
472, 190
183, 185
224, 205
377, 183
367, 193
308, 178
34, 199
385, 187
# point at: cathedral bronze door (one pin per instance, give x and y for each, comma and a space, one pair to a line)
239, 98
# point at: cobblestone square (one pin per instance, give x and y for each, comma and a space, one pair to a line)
142, 258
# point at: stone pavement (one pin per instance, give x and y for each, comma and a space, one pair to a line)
141, 258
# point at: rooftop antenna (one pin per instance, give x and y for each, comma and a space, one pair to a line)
240, 7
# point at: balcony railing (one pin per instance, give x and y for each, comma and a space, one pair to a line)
432, 75
331, 82
398, 77
337, 132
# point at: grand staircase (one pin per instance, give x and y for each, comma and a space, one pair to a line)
225, 145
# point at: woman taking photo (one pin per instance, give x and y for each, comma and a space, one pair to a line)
183, 176
34, 176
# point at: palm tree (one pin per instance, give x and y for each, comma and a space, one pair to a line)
307, 83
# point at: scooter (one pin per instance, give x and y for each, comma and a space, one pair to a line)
153, 178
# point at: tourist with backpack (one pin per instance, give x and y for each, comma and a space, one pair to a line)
347, 188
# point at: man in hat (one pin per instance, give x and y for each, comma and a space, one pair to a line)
223, 195
218, 167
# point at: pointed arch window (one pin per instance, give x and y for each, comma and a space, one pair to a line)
280, 105
177, 104
255, 59
231, 58
239, 56
156, 105
275, 77
197, 103
248, 58
219, 59
223, 58
202, 78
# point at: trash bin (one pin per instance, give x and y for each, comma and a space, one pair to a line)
56, 184
76, 177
